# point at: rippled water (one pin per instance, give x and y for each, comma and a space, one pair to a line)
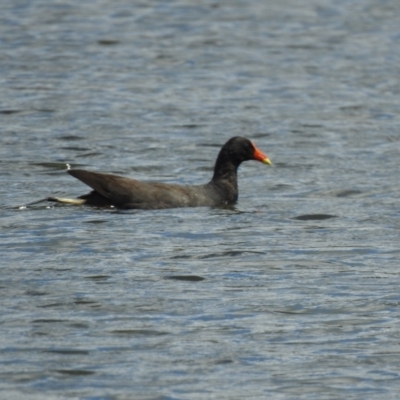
294, 293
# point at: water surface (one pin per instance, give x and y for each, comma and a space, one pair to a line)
293, 293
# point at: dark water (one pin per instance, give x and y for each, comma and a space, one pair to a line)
294, 294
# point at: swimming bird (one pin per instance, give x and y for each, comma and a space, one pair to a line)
125, 193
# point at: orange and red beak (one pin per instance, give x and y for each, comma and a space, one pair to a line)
260, 156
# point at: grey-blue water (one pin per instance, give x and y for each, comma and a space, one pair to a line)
294, 293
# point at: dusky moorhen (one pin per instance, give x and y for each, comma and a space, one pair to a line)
126, 193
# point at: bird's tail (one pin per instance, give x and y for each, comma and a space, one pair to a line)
63, 200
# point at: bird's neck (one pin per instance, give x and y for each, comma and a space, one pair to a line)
225, 171
225, 178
